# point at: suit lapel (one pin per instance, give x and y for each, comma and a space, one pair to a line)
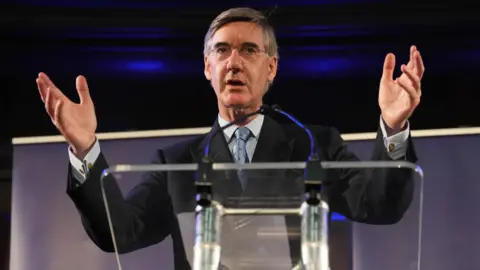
218, 149
273, 145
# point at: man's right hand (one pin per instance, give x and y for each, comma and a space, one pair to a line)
76, 122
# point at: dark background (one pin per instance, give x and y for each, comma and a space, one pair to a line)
143, 61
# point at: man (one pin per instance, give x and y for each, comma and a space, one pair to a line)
241, 59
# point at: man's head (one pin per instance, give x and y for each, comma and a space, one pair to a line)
241, 57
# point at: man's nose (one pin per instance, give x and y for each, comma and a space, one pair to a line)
235, 61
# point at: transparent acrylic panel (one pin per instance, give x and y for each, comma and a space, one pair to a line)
369, 216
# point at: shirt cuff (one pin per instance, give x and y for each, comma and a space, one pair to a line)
396, 144
80, 168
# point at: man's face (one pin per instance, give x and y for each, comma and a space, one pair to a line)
238, 66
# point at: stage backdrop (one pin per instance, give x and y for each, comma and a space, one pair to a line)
47, 233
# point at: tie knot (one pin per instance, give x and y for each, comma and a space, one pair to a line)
243, 133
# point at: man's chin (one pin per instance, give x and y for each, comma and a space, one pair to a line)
237, 102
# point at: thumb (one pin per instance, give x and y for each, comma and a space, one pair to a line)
388, 67
82, 89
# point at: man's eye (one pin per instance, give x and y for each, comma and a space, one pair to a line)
250, 50
221, 50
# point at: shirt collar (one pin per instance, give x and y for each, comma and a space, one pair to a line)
255, 126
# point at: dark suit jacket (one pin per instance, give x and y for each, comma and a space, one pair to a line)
148, 214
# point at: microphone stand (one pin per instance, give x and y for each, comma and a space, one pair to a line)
208, 215
315, 219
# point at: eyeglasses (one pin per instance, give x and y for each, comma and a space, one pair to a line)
247, 52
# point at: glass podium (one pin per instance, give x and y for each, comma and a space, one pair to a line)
265, 215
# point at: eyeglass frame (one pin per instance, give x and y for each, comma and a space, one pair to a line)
243, 47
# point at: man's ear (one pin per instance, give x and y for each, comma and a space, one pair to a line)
272, 68
207, 73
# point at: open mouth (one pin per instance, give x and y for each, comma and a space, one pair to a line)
235, 82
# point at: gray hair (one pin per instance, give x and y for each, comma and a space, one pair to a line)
243, 15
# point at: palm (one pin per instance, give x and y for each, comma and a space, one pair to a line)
394, 101
399, 97
75, 121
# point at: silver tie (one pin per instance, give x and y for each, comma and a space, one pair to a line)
240, 151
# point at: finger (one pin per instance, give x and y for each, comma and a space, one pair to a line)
82, 89
413, 50
411, 61
48, 83
414, 79
388, 67
49, 102
419, 64
414, 95
46, 79
42, 89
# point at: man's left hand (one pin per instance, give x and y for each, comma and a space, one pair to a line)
399, 97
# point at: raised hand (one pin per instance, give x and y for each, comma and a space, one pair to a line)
76, 122
399, 97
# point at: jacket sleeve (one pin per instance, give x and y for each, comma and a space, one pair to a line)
141, 218
374, 196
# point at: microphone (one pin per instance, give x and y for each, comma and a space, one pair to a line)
314, 153
261, 110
